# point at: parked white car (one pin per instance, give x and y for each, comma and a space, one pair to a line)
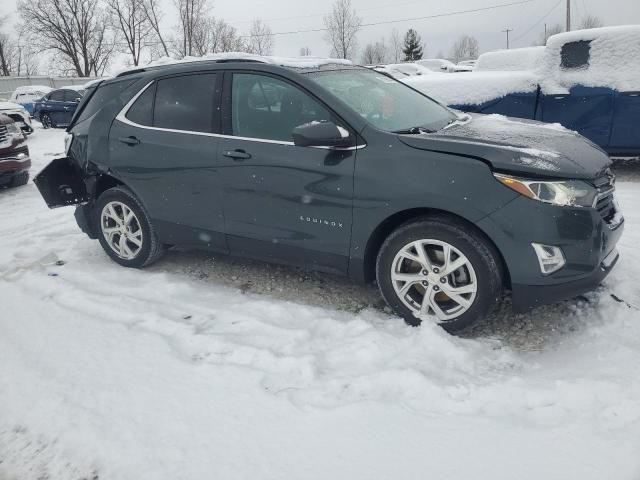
512, 60
28, 94
465, 66
404, 70
437, 64
19, 115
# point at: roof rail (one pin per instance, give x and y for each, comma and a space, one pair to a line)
155, 67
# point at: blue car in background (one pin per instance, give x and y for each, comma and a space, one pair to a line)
585, 80
56, 108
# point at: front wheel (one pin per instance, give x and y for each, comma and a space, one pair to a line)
45, 119
124, 229
439, 271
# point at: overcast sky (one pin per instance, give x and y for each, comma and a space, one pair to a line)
526, 20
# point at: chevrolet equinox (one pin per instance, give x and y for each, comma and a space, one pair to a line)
342, 169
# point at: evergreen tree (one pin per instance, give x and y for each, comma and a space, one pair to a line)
412, 46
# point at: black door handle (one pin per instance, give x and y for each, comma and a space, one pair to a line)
237, 154
129, 140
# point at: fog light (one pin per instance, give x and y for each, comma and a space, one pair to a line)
550, 258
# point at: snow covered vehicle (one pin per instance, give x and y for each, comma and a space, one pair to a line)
339, 168
28, 94
14, 154
586, 80
19, 115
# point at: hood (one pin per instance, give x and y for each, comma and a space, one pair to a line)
10, 106
518, 146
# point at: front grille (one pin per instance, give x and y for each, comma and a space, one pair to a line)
4, 133
606, 206
605, 202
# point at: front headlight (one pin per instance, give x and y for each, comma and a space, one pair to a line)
566, 193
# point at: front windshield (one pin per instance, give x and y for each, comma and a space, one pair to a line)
386, 103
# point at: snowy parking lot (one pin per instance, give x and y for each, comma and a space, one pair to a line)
209, 367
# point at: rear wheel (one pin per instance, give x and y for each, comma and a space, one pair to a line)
124, 229
439, 271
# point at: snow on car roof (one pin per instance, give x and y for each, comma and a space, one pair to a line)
473, 88
32, 88
515, 59
292, 62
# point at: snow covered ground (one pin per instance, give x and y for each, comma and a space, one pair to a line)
202, 367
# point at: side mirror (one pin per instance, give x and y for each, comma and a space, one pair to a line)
321, 134
77, 100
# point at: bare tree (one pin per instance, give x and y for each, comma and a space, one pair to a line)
154, 16
75, 30
375, 53
260, 39
342, 25
305, 51
215, 36
591, 21
548, 32
130, 19
7, 51
396, 44
465, 48
191, 16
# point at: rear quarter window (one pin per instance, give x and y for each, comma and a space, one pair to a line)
103, 95
575, 54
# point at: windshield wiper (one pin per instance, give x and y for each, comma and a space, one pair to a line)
413, 131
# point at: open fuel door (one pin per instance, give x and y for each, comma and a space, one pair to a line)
61, 183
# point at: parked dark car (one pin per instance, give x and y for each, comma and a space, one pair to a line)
14, 154
341, 169
56, 108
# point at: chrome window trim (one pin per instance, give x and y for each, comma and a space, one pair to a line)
122, 117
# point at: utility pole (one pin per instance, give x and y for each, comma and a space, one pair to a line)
507, 30
568, 15
545, 34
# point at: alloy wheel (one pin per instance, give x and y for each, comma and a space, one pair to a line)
121, 230
434, 279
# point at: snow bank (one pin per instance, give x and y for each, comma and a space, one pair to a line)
614, 60
473, 87
515, 59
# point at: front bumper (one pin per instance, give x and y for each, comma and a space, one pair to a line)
587, 237
526, 297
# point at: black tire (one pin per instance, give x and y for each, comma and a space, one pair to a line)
480, 253
19, 179
151, 249
46, 121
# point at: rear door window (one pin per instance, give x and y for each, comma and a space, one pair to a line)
186, 103
57, 96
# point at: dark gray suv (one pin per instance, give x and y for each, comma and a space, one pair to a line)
341, 169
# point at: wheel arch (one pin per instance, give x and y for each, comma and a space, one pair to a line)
394, 221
